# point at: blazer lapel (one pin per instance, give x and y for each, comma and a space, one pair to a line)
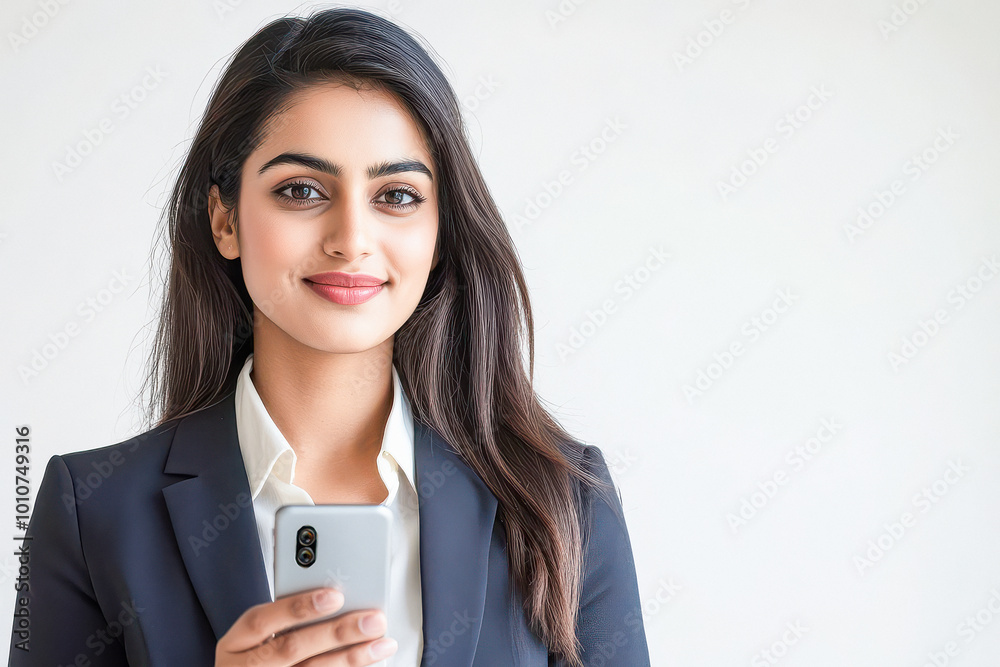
213, 517
216, 531
456, 513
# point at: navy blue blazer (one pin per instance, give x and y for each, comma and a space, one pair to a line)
146, 552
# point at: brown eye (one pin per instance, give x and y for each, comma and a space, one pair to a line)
396, 196
300, 193
300, 189
400, 198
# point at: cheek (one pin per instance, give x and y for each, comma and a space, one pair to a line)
271, 251
413, 255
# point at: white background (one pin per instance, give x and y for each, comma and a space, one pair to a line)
541, 82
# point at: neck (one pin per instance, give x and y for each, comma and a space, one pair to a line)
331, 408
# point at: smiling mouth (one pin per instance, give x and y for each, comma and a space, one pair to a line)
345, 296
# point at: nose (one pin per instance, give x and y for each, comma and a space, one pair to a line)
348, 227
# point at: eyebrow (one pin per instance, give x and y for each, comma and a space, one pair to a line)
316, 163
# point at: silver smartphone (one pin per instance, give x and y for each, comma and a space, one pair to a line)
343, 546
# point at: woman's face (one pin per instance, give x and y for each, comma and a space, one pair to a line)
343, 182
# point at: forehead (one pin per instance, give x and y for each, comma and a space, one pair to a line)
338, 121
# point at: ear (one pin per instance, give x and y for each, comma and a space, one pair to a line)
222, 228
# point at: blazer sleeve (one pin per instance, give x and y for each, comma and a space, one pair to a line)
610, 625
57, 618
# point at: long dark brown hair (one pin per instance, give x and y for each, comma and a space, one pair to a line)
459, 355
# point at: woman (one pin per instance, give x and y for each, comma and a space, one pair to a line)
342, 324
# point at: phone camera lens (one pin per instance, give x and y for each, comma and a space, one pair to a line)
305, 556
307, 536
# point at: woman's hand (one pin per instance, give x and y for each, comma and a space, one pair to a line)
251, 640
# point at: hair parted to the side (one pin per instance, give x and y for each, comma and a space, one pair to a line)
459, 355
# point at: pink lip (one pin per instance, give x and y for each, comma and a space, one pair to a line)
342, 279
348, 289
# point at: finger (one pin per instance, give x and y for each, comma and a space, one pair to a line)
345, 630
367, 653
261, 622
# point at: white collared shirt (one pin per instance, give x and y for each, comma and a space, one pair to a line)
270, 466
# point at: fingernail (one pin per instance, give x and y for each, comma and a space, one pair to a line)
326, 599
373, 624
383, 648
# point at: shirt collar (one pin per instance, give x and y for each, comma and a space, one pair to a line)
265, 449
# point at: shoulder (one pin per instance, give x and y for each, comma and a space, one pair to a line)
601, 501
598, 487
98, 491
602, 517
150, 448
610, 604
114, 472
134, 451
